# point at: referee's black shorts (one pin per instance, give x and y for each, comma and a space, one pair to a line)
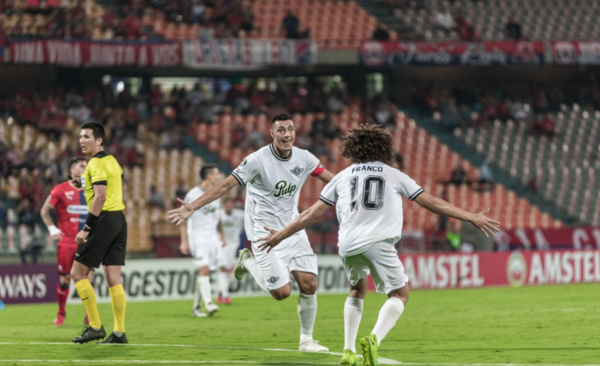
106, 243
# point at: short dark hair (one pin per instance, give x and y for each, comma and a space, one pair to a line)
75, 161
281, 117
369, 142
205, 170
97, 130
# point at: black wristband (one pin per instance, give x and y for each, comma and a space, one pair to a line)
91, 220
86, 229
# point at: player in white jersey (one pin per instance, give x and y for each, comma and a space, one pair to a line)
274, 176
368, 202
203, 238
232, 220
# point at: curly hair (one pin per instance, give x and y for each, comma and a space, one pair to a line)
369, 142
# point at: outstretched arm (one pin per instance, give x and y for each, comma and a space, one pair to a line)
186, 210
441, 207
301, 222
326, 176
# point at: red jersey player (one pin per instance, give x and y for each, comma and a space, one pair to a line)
71, 213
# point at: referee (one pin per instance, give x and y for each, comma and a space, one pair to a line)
103, 238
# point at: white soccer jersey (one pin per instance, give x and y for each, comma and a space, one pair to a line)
369, 206
232, 226
273, 188
202, 225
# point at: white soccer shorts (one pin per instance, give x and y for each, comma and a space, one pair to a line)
207, 254
228, 255
382, 262
293, 255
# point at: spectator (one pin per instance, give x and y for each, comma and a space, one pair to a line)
291, 25
25, 213
469, 34
548, 126
486, 180
458, 175
156, 199
445, 21
381, 33
3, 216
512, 30
532, 185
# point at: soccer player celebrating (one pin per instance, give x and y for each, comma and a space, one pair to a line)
103, 238
274, 176
232, 220
203, 238
368, 202
71, 213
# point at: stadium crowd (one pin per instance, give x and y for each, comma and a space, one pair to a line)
28, 175
123, 20
464, 107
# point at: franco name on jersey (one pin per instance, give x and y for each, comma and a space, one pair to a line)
367, 168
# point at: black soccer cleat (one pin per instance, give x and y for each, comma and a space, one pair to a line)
113, 339
90, 334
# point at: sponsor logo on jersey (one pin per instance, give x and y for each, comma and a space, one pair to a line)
77, 209
273, 280
82, 182
208, 209
284, 188
297, 171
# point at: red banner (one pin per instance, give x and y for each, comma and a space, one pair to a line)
576, 52
96, 54
565, 238
483, 269
375, 53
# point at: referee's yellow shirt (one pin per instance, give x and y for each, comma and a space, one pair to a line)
105, 170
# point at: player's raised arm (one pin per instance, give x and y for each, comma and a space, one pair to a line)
179, 215
304, 220
441, 207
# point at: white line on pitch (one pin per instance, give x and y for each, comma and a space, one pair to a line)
183, 362
381, 360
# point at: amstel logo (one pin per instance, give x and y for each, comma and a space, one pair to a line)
516, 269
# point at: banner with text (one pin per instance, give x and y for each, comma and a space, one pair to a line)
483, 269
375, 53
173, 279
245, 53
563, 238
95, 54
23, 284
576, 52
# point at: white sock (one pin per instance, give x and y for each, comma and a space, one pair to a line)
254, 269
352, 315
224, 283
307, 312
198, 298
205, 289
388, 316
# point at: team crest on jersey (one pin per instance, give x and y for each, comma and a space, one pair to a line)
284, 188
69, 195
297, 171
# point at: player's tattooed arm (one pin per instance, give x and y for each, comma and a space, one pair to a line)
441, 207
55, 232
326, 176
306, 219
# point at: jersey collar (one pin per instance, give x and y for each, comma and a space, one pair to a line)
279, 157
100, 155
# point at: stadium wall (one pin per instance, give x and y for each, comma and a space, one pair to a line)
175, 279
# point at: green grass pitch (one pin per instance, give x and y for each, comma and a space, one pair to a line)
549, 325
